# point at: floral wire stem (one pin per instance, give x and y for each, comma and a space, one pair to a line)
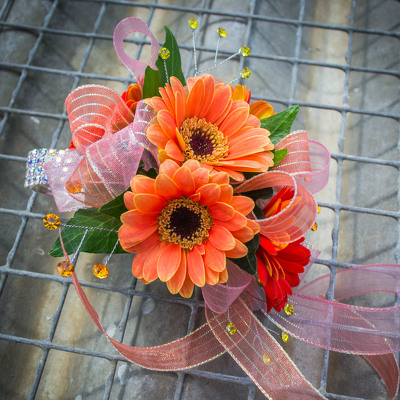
235, 80
196, 71
166, 71
216, 51
219, 64
112, 252
74, 257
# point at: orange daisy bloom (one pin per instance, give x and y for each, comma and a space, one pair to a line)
202, 122
132, 96
183, 225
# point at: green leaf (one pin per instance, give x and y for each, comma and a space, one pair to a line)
249, 262
279, 155
151, 83
96, 241
115, 207
264, 193
173, 63
279, 124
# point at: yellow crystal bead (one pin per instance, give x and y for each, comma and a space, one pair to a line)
319, 209
73, 187
100, 271
284, 336
259, 282
193, 23
51, 221
289, 309
221, 32
245, 51
245, 73
164, 53
314, 227
231, 328
65, 268
266, 358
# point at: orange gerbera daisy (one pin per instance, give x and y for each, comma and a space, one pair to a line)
202, 122
279, 264
183, 225
132, 96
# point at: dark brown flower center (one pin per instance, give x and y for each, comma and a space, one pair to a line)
185, 222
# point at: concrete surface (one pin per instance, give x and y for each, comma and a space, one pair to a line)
28, 304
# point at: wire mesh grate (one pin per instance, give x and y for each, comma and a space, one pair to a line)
338, 60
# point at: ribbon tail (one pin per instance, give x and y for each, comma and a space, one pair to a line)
259, 354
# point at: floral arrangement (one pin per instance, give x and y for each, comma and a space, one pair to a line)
209, 189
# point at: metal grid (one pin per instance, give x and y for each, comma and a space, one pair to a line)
33, 208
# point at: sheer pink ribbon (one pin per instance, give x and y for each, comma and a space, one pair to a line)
106, 157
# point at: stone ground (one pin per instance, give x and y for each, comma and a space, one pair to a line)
355, 112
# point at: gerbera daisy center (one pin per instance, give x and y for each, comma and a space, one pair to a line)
184, 222
204, 142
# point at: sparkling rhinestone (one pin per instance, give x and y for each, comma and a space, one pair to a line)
26, 183
32, 154
231, 328
44, 179
31, 162
266, 358
289, 309
314, 227
40, 160
245, 73
65, 268
193, 23
42, 152
221, 32
52, 152
164, 53
31, 171
73, 187
245, 51
284, 336
51, 221
100, 271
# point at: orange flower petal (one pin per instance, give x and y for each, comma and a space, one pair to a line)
247, 146
167, 123
176, 282
244, 234
149, 203
158, 104
168, 167
191, 165
201, 177
253, 225
240, 250
242, 204
180, 109
212, 277
237, 222
195, 266
221, 238
150, 272
128, 200
157, 135
166, 187
214, 258
136, 219
143, 245
187, 288
223, 276
221, 211
195, 99
168, 262
219, 177
220, 103
137, 264
209, 85
184, 180
143, 184
235, 175
235, 119
167, 100
245, 133
132, 236
252, 121
174, 151
209, 194
226, 193
261, 109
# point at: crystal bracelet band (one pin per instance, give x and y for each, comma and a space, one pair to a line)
35, 175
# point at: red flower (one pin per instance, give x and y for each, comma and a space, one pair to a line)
279, 264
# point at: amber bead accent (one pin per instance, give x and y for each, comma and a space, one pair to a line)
164, 53
314, 227
51, 221
100, 271
65, 268
193, 23
231, 328
289, 309
319, 209
266, 358
245, 51
285, 336
245, 73
221, 32
73, 187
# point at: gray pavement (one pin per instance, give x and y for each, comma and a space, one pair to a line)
338, 59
